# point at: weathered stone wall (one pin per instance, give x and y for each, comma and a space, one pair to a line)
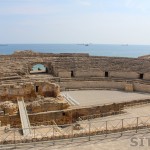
5, 120
9, 108
42, 104
11, 92
82, 65
125, 75
76, 71
109, 64
64, 74
60, 117
28, 90
146, 76
47, 89
89, 73
141, 87
129, 87
93, 84
67, 116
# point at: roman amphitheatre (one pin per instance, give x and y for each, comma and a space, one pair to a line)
46, 97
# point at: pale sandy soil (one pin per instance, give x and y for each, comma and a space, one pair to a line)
99, 97
112, 142
135, 111
113, 122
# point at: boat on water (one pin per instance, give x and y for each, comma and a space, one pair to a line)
84, 44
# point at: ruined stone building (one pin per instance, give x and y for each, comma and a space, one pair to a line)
41, 89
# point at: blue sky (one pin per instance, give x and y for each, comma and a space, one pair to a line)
75, 21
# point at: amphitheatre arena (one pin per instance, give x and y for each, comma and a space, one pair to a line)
46, 97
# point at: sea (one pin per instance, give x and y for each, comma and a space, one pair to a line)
122, 50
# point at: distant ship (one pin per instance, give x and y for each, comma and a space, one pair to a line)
84, 44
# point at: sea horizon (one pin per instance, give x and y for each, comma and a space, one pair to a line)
112, 50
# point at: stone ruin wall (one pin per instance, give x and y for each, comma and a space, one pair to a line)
60, 117
130, 74
68, 116
43, 106
28, 90
128, 68
75, 72
82, 65
130, 86
33, 93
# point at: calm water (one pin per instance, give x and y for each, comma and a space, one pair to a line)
92, 49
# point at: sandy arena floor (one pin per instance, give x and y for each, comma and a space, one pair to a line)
99, 97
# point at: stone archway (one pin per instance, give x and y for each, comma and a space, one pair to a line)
38, 67
48, 66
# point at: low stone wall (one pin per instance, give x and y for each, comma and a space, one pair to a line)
37, 107
93, 84
141, 87
69, 115
106, 83
89, 73
125, 75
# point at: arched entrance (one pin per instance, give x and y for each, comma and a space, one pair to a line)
38, 68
